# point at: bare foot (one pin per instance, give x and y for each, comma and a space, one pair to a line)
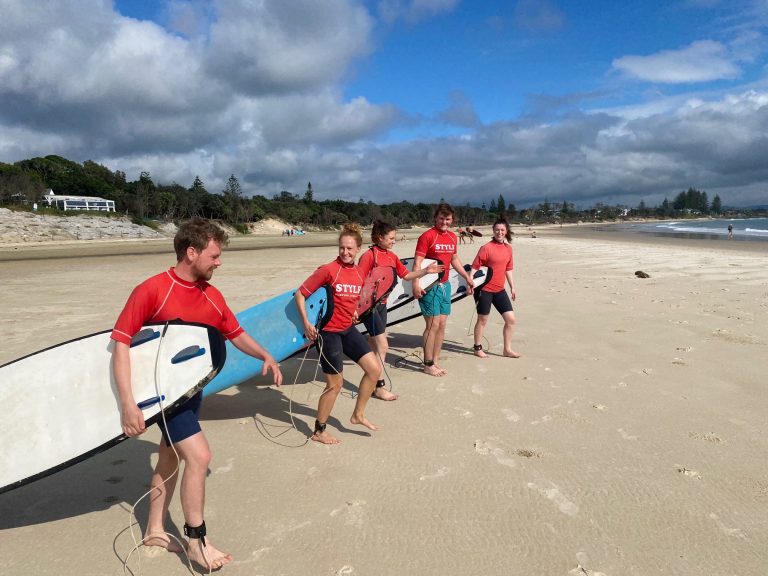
433, 371
383, 394
511, 354
208, 557
363, 421
325, 438
160, 540
443, 371
480, 354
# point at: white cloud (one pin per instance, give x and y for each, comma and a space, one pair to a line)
256, 89
413, 11
702, 61
538, 15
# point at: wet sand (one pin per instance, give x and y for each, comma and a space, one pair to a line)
628, 440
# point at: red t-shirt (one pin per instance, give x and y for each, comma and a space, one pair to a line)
346, 282
498, 257
439, 246
168, 297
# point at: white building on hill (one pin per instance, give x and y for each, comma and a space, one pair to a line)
78, 202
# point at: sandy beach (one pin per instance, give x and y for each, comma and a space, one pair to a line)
629, 440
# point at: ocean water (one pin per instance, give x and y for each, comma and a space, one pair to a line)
747, 229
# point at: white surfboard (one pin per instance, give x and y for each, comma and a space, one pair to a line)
402, 293
60, 405
410, 309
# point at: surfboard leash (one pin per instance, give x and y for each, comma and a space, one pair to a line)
375, 312
132, 521
469, 326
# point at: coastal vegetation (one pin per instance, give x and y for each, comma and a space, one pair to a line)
23, 183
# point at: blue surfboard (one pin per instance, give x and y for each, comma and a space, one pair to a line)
277, 326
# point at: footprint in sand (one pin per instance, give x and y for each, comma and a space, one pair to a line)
464, 413
735, 532
553, 494
690, 473
486, 449
228, 468
545, 418
353, 512
511, 415
625, 435
581, 569
442, 471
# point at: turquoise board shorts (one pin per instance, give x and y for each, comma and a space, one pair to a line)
437, 301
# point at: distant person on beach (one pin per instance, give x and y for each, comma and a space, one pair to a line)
339, 337
497, 256
182, 292
730, 231
380, 254
440, 244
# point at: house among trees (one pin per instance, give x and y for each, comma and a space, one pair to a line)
77, 202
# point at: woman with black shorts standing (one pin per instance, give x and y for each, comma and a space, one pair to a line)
339, 337
497, 256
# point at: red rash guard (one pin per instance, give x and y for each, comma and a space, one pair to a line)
498, 257
346, 282
440, 246
168, 297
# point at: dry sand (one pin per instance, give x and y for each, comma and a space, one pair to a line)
630, 438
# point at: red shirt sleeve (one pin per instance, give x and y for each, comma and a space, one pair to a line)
401, 270
318, 278
510, 264
422, 244
139, 308
480, 259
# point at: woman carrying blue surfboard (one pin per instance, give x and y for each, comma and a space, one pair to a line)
380, 254
339, 337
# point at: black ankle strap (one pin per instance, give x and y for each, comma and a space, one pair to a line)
477, 347
320, 428
195, 532
380, 384
429, 362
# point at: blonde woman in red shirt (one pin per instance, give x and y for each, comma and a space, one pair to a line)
497, 256
339, 337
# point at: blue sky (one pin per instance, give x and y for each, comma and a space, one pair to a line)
398, 99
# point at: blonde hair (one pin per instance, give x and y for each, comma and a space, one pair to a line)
354, 231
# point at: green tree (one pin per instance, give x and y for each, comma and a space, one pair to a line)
308, 195
717, 205
235, 211
501, 206
703, 203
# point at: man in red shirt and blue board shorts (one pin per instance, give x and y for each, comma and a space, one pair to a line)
438, 243
182, 293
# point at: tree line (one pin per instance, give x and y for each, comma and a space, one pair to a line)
24, 183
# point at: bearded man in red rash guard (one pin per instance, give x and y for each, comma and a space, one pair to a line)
182, 292
438, 243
